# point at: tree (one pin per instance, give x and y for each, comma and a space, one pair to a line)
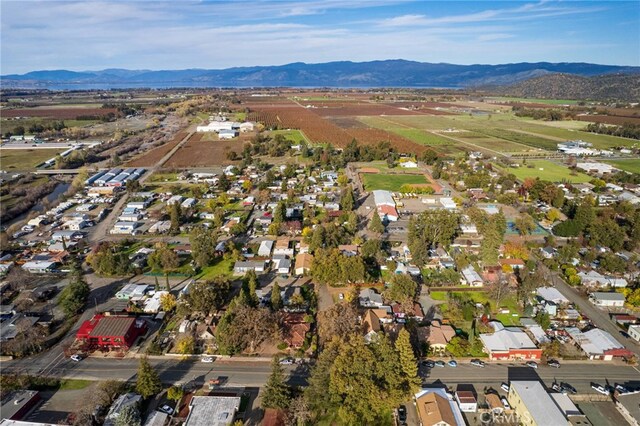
167, 302
129, 416
203, 245
75, 294
163, 258
243, 328
431, 228
337, 322
606, 232
277, 394
299, 412
525, 224
347, 200
175, 215
408, 363
543, 319
402, 290
375, 225
208, 296
186, 345
109, 390
148, 382
499, 290
175, 393
276, 297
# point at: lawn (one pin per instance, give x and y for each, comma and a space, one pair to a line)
391, 182
631, 165
223, 267
546, 170
74, 384
294, 136
24, 159
438, 295
483, 297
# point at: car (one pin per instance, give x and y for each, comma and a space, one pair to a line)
599, 388
505, 386
439, 364
341, 296
556, 387
505, 403
452, 363
532, 364
553, 363
76, 358
568, 388
166, 409
477, 363
625, 334
428, 363
402, 413
286, 361
620, 388
207, 359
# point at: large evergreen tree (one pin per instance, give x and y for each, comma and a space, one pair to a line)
375, 225
408, 362
148, 382
276, 392
276, 298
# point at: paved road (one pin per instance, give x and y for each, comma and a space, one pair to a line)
248, 373
599, 317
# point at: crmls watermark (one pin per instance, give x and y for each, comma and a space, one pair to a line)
492, 418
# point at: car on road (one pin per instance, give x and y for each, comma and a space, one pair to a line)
599, 388
166, 409
286, 361
556, 387
505, 403
402, 414
428, 363
76, 358
452, 363
439, 364
532, 364
568, 388
625, 334
505, 386
620, 388
207, 359
477, 363
553, 363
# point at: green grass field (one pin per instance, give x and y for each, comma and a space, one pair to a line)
390, 182
224, 267
10, 125
25, 159
550, 171
631, 165
535, 101
294, 136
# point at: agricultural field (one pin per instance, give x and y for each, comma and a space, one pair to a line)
150, 158
197, 152
631, 165
295, 136
8, 126
58, 113
546, 170
25, 159
534, 101
391, 182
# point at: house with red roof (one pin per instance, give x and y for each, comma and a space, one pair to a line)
111, 332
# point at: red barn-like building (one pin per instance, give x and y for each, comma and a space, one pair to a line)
111, 332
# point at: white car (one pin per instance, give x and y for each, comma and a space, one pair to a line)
76, 358
207, 359
166, 409
505, 403
599, 388
286, 361
505, 387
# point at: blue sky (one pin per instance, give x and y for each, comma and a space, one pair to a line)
92, 35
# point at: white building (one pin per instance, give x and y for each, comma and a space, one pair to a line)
227, 134
607, 300
634, 332
212, 410
471, 277
265, 248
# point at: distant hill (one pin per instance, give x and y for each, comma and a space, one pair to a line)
622, 87
387, 73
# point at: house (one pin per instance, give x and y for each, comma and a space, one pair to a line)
124, 228
440, 335
160, 227
175, 199
66, 235
156, 418
18, 404
467, 401
111, 332
281, 264
435, 408
471, 277
608, 300
368, 298
212, 410
634, 332
533, 405
295, 329
551, 294
242, 267
548, 252
246, 127
132, 291
265, 248
303, 263
130, 217
624, 319
39, 267
595, 279
448, 203
283, 246
123, 401
153, 304
408, 164
348, 250
370, 325
512, 263
227, 134
509, 343
188, 203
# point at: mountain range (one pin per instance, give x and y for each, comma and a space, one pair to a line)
386, 73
